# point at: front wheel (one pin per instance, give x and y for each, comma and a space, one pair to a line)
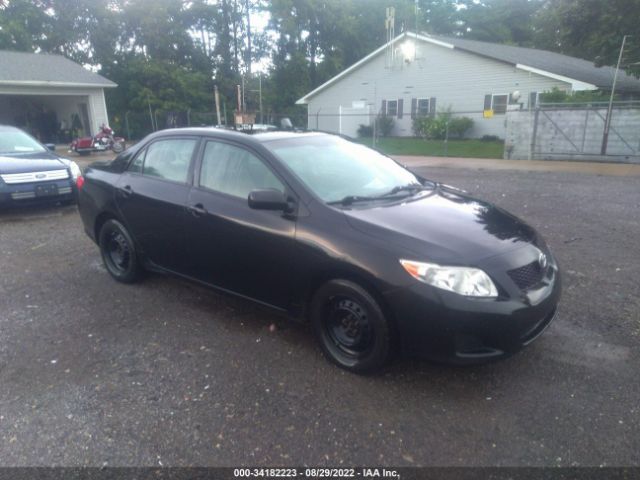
351, 327
118, 252
117, 147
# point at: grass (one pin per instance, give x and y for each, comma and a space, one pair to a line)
436, 148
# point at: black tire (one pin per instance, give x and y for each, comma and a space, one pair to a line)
117, 147
118, 252
351, 327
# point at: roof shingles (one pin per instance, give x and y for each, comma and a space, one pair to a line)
572, 67
20, 67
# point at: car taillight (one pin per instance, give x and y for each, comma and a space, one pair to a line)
80, 182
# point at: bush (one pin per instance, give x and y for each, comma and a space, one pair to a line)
555, 95
490, 138
459, 126
384, 125
365, 131
435, 128
432, 128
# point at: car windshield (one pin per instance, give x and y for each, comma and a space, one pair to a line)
336, 169
14, 141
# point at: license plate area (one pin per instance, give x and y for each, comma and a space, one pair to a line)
46, 190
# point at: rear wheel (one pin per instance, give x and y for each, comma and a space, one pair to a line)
351, 327
118, 252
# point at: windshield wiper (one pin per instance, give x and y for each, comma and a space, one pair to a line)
349, 199
409, 187
391, 194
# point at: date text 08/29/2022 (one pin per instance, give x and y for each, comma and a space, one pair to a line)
315, 472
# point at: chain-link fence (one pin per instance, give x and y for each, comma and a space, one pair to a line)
444, 133
136, 125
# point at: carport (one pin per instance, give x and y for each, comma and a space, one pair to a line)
50, 96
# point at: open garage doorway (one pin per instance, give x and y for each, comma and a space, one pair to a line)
50, 119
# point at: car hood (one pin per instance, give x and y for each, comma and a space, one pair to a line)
444, 226
31, 162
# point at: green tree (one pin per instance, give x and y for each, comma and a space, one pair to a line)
21, 22
593, 30
500, 21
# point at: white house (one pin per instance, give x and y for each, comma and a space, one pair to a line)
34, 82
419, 75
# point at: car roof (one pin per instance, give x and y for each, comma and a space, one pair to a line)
271, 136
9, 128
232, 134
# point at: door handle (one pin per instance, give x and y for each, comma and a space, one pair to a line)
126, 191
197, 210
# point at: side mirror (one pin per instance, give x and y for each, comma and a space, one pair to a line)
50, 146
268, 199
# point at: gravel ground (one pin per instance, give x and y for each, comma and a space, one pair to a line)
167, 373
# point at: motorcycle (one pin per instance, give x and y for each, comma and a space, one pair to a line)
104, 140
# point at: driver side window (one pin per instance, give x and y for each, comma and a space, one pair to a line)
235, 171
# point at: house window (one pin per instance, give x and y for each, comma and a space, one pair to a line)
392, 108
422, 109
499, 103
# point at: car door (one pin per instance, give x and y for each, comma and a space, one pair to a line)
230, 245
152, 195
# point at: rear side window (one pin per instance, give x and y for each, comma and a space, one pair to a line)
167, 159
235, 171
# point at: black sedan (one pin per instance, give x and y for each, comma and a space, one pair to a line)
375, 257
31, 172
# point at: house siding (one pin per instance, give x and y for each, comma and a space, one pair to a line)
457, 79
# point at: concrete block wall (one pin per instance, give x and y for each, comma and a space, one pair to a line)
572, 134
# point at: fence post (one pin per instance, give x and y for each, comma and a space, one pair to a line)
446, 138
126, 124
534, 133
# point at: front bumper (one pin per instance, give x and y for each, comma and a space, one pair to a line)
443, 326
37, 192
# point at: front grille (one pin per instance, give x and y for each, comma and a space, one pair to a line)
13, 178
527, 276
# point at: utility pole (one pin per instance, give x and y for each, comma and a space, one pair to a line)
243, 105
607, 120
260, 93
153, 126
248, 9
235, 33
217, 99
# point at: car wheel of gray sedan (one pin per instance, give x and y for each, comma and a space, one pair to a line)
118, 252
351, 327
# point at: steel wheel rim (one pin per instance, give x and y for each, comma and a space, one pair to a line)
118, 251
348, 327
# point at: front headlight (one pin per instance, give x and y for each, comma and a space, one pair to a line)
471, 282
75, 170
